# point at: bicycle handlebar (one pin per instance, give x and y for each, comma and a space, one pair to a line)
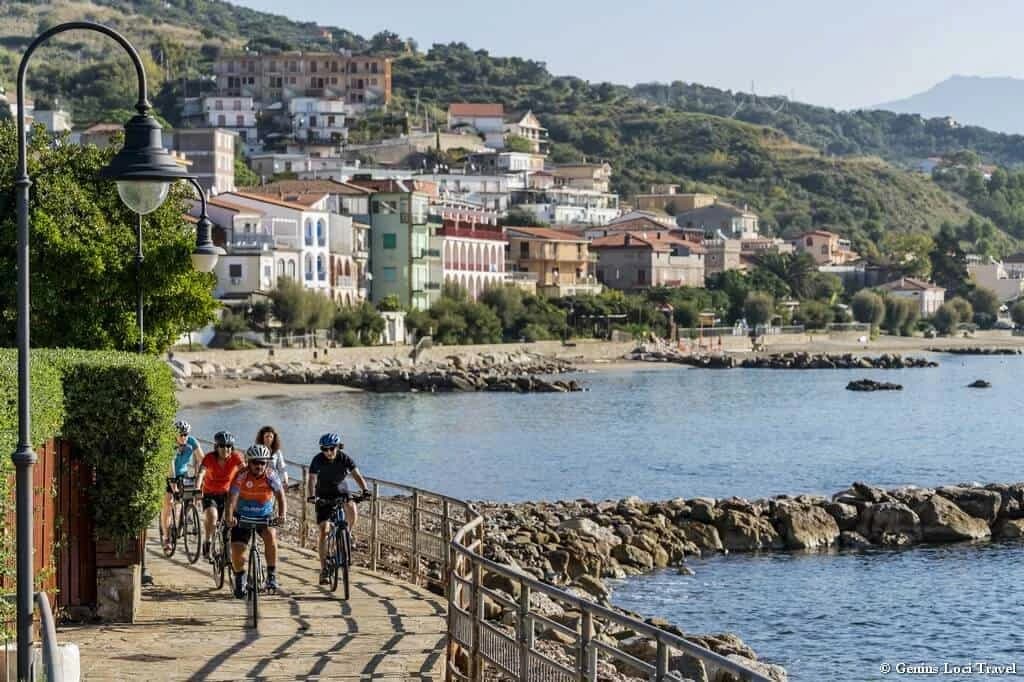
342, 498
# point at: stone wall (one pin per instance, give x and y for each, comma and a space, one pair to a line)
118, 593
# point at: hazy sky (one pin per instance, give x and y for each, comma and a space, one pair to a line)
840, 54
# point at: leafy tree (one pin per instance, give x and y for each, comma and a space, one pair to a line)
948, 269
389, 303
913, 315
868, 308
360, 325
910, 252
232, 324
83, 279
517, 143
1017, 313
897, 310
517, 217
986, 304
965, 311
813, 314
243, 176
946, 318
758, 308
826, 287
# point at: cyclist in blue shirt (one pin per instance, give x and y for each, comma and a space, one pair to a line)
187, 456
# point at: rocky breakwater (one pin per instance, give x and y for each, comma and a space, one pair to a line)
521, 372
577, 545
978, 351
835, 361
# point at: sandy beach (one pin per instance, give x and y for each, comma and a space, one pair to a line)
210, 392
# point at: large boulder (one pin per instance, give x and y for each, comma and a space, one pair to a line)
891, 523
1009, 529
745, 532
631, 555
978, 502
593, 585
703, 509
704, 535
806, 527
943, 521
845, 515
586, 526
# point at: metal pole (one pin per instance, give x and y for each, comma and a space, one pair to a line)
24, 458
138, 281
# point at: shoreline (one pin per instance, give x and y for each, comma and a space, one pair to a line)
223, 392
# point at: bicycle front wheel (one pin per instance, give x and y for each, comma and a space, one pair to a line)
192, 535
217, 558
346, 551
170, 541
255, 580
332, 560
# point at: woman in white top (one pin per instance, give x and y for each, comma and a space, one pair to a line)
268, 436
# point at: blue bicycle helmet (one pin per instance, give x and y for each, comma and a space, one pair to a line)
329, 440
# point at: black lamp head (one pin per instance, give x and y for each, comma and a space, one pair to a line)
143, 157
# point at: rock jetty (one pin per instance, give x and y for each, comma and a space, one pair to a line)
579, 544
980, 383
870, 385
781, 360
519, 372
977, 351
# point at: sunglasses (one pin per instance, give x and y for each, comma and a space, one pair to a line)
329, 448
258, 464
223, 447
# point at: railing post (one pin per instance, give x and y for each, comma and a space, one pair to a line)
586, 656
446, 537
525, 632
661, 668
452, 646
477, 605
414, 556
304, 522
374, 523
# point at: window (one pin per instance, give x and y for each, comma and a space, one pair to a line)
524, 249
235, 270
220, 119
321, 229
238, 105
219, 105
309, 232
312, 67
239, 121
641, 276
280, 267
321, 274
268, 270
389, 274
824, 249
291, 269
312, 121
810, 242
309, 267
390, 240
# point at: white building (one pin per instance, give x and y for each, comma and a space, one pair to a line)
486, 119
489, 191
472, 256
529, 128
1004, 278
54, 120
237, 114
319, 119
568, 206
930, 296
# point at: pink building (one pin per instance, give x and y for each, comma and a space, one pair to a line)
472, 255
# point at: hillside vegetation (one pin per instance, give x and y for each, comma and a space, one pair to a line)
799, 166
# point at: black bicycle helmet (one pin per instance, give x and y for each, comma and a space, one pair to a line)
224, 438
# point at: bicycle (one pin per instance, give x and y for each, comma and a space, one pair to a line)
185, 523
220, 558
256, 574
339, 543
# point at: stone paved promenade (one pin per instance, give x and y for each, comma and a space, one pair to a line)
188, 631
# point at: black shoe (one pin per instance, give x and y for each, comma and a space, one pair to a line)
206, 549
324, 579
271, 584
240, 586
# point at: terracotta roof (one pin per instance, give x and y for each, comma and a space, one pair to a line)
268, 200
391, 186
909, 284
652, 240
547, 233
237, 208
638, 223
820, 233
470, 109
307, 187
190, 218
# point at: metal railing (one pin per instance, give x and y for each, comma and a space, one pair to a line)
49, 651
431, 539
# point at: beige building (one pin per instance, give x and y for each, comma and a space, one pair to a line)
720, 219
559, 261
639, 260
361, 81
589, 176
826, 248
529, 128
721, 255
211, 154
930, 297
1003, 278
667, 198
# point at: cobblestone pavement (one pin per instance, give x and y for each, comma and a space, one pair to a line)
187, 630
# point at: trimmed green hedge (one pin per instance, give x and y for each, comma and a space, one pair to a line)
117, 409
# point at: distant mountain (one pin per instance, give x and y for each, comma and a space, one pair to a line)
993, 103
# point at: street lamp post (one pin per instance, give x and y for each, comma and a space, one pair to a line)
143, 170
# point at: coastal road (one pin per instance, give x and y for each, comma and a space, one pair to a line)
187, 630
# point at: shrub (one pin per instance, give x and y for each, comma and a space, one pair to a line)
897, 312
814, 314
913, 315
985, 301
868, 308
964, 310
758, 308
946, 318
1017, 313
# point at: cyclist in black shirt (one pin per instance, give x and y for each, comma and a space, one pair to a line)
327, 474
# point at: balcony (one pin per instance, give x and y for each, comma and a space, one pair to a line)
249, 241
361, 253
521, 277
563, 290
432, 286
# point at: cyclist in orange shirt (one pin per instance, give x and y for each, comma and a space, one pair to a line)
216, 472
252, 497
